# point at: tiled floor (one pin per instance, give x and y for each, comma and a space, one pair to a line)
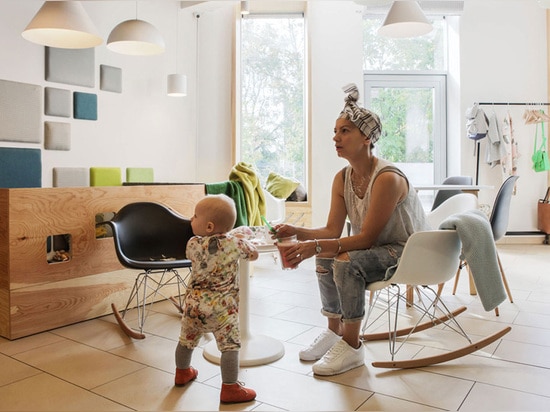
94, 366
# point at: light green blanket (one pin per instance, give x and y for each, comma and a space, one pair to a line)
253, 192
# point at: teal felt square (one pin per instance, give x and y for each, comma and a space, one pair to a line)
85, 106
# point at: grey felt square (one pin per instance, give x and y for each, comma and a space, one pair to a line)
71, 66
110, 78
20, 112
57, 136
57, 102
71, 177
85, 106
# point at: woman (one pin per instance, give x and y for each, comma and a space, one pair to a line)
384, 210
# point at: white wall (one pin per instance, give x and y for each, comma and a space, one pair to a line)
142, 126
502, 58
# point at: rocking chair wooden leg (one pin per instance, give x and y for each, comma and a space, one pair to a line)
125, 328
432, 360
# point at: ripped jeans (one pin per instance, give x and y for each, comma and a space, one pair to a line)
343, 283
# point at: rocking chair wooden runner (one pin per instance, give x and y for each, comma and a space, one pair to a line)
429, 258
152, 238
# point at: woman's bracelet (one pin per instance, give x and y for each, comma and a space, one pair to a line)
339, 247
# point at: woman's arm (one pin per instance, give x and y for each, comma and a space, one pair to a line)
335, 220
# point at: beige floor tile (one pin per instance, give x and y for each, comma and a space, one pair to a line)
492, 398
97, 333
298, 392
13, 370
153, 390
78, 363
12, 347
410, 384
379, 402
44, 392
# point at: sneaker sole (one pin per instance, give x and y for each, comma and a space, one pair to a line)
332, 373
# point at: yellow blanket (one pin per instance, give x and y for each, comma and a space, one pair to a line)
253, 192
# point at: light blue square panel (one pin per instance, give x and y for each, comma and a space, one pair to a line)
85, 106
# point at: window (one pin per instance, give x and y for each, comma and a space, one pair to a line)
272, 132
405, 83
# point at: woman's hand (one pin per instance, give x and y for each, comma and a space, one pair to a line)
283, 230
298, 252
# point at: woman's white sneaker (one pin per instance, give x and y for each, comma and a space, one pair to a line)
320, 346
339, 359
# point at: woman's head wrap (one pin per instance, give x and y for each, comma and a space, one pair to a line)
365, 120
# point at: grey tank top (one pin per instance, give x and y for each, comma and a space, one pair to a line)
407, 218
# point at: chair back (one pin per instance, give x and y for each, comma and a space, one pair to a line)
500, 213
429, 258
460, 203
149, 235
443, 195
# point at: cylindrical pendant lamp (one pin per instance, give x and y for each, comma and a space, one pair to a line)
177, 85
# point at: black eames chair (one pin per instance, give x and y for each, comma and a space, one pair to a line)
151, 238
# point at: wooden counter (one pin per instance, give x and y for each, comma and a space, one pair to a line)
36, 295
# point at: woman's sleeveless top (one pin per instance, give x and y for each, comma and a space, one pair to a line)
407, 218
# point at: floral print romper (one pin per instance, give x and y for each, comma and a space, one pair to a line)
211, 302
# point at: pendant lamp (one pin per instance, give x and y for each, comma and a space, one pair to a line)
137, 38
176, 82
62, 24
405, 19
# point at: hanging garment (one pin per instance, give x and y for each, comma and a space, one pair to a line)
495, 147
476, 122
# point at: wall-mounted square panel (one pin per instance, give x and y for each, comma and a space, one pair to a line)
85, 106
20, 167
71, 66
57, 102
110, 78
20, 112
71, 177
57, 136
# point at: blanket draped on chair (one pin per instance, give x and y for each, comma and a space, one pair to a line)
253, 193
235, 191
479, 250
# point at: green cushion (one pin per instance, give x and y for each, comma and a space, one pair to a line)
140, 174
280, 186
105, 176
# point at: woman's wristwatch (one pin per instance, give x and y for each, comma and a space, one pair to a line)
318, 248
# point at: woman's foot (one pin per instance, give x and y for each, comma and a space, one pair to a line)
320, 346
185, 375
236, 392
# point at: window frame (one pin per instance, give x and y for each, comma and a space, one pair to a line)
294, 9
437, 81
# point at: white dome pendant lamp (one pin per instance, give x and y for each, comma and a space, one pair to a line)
136, 37
405, 19
62, 24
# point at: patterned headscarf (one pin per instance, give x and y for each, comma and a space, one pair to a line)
365, 120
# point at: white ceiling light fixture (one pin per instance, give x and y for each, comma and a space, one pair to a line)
405, 19
62, 24
245, 7
136, 37
176, 82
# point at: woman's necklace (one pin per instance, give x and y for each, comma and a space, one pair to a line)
359, 184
